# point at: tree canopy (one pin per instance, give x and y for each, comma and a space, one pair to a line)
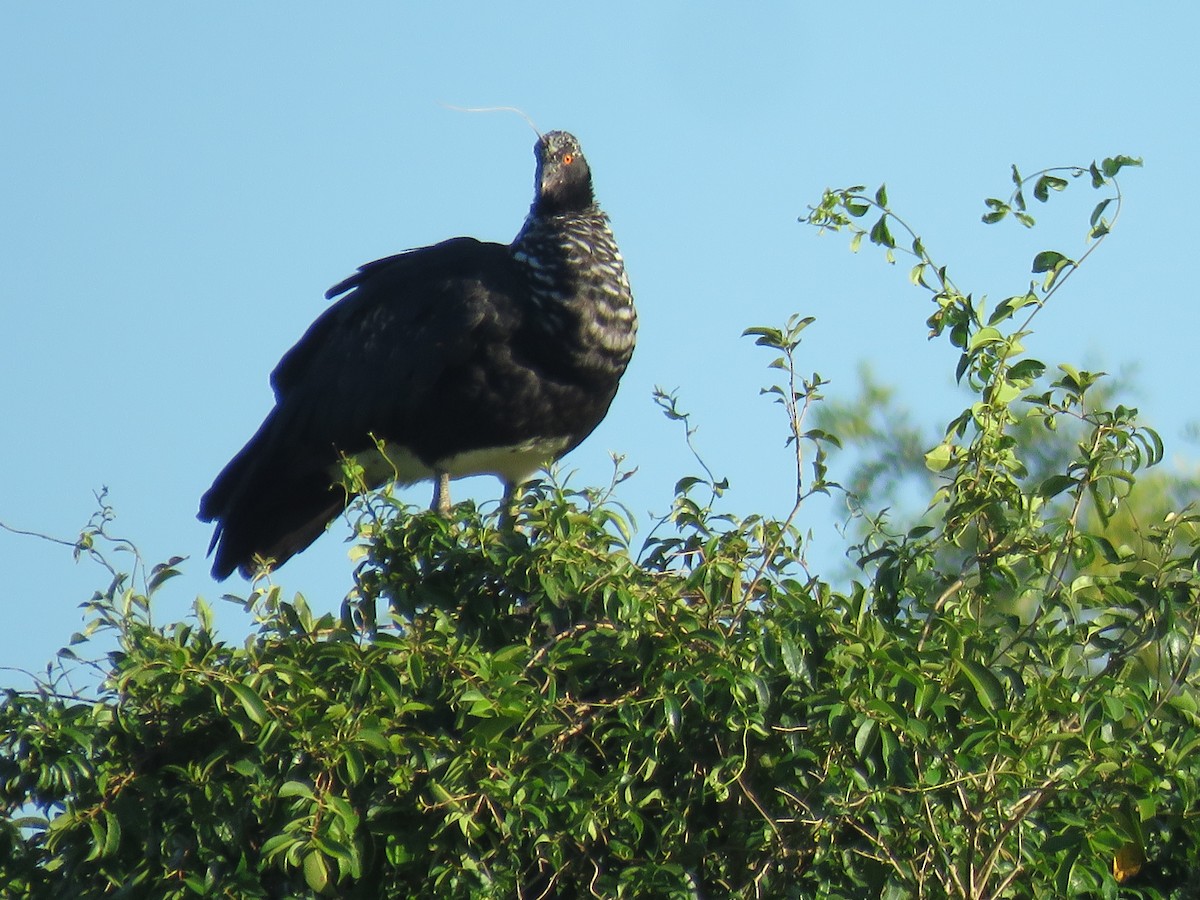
999, 703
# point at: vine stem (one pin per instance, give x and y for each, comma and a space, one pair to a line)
796, 416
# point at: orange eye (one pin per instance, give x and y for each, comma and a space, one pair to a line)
568, 158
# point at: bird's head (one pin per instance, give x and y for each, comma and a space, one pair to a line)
564, 181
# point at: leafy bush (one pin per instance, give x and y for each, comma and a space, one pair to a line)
1000, 705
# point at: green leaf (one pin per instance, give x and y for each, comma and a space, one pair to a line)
1047, 183
793, 659
251, 702
204, 613
246, 768
881, 234
673, 713
1026, 371
865, 738
940, 458
1047, 260
997, 210
343, 809
767, 337
1066, 869
375, 739
316, 871
1055, 485
987, 686
112, 835
1098, 212
160, 574
296, 789
388, 683
355, 765
795, 327
983, 337
1114, 164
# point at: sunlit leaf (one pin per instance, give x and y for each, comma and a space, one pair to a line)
251, 702
316, 871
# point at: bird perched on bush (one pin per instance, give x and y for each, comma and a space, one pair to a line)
457, 359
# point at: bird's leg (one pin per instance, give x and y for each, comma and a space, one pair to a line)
508, 506
441, 495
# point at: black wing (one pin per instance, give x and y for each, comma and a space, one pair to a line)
390, 359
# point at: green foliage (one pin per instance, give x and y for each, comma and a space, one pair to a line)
1000, 704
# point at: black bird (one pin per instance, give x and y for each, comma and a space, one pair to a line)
462, 358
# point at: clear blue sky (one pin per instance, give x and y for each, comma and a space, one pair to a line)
179, 184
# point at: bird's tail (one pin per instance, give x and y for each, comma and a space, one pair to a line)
266, 508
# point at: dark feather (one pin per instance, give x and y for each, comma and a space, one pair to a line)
462, 357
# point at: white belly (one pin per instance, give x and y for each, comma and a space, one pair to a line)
512, 464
